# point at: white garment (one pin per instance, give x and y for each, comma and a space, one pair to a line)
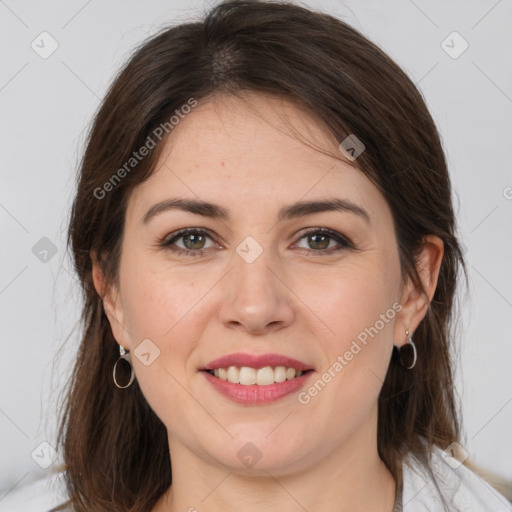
462, 489
38, 496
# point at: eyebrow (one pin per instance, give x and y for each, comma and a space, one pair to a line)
295, 210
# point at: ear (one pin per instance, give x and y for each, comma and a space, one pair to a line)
111, 303
414, 302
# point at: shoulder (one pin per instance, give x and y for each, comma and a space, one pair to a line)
462, 489
40, 495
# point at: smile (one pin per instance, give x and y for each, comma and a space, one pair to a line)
247, 376
257, 394
256, 378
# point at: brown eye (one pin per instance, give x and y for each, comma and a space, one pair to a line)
193, 241
320, 241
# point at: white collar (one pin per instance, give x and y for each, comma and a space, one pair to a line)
462, 489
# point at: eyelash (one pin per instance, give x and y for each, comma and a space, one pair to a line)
344, 242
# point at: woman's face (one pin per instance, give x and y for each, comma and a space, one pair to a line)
258, 283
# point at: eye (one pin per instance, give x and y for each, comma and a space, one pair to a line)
320, 239
193, 241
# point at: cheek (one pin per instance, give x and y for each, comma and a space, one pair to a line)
354, 300
164, 309
167, 307
347, 387
360, 311
158, 299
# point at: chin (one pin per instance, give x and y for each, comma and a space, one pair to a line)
258, 455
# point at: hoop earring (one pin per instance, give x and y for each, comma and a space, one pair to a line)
410, 343
119, 374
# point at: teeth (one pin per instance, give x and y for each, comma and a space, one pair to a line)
290, 373
280, 374
247, 376
233, 374
260, 376
265, 376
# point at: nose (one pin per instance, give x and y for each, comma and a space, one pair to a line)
255, 297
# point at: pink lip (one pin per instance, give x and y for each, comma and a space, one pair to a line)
254, 361
254, 394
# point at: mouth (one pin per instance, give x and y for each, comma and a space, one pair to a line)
248, 376
256, 379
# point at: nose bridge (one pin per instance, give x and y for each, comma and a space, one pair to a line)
253, 272
253, 269
255, 296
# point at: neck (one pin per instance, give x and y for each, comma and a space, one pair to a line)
351, 477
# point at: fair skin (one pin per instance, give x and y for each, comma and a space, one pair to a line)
316, 456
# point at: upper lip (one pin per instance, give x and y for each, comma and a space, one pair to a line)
256, 361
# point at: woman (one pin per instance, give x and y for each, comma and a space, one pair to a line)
264, 234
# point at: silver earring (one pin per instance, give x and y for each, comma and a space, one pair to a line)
411, 344
120, 372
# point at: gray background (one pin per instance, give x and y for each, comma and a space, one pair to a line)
47, 104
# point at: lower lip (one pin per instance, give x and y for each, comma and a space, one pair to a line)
255, 394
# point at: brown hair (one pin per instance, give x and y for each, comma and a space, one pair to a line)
114, 446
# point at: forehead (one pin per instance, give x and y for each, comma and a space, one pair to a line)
232, 150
